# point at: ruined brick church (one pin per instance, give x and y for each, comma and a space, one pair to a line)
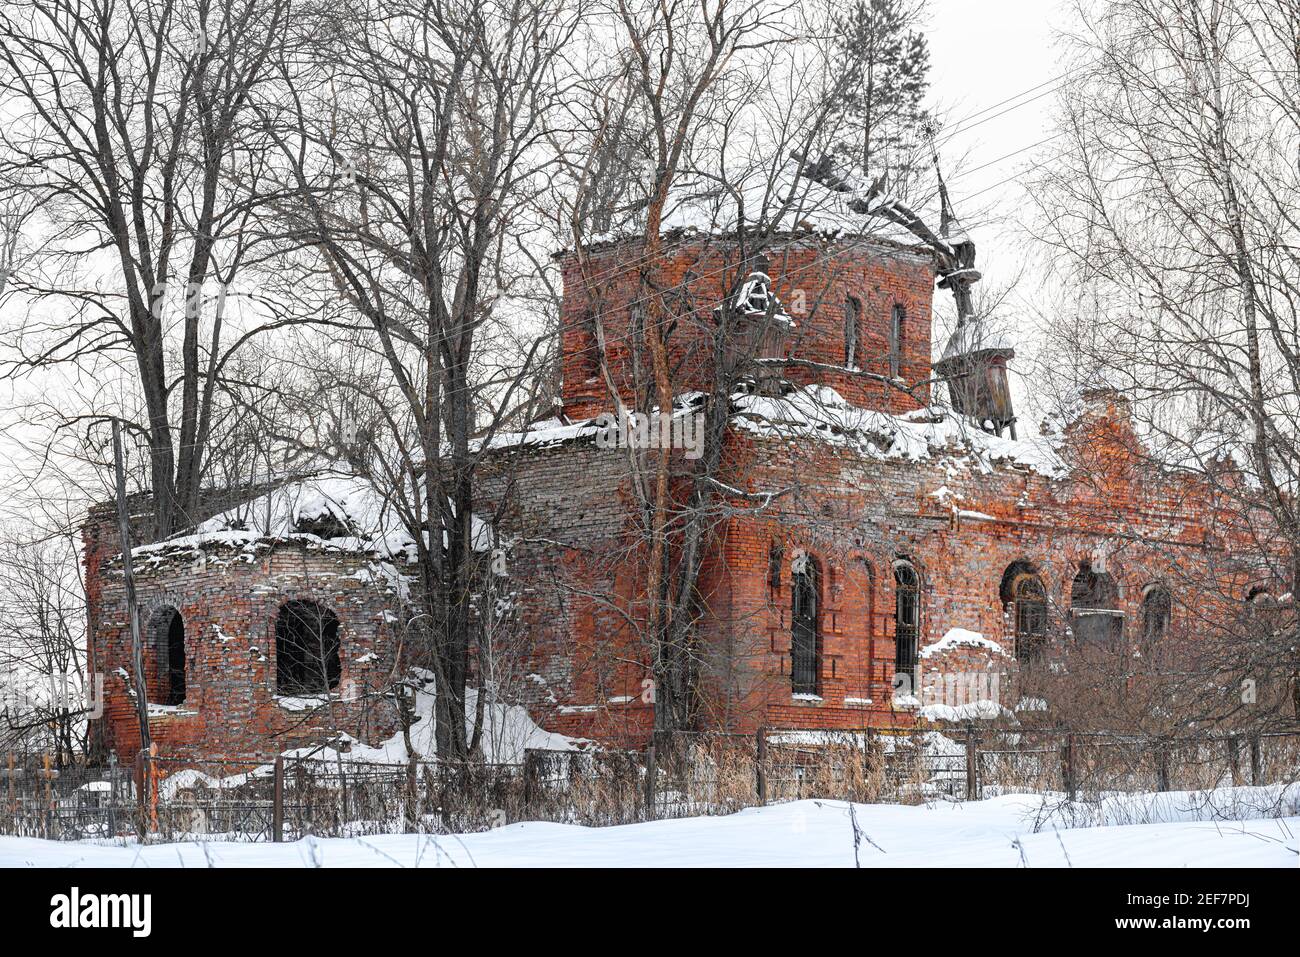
886, 523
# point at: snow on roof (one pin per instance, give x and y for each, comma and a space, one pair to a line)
820, 412
331, 510
983, 710
772, 197
550, 432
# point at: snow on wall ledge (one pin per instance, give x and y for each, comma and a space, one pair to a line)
820, 413
956, 638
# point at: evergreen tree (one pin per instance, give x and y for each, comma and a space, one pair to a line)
886, 62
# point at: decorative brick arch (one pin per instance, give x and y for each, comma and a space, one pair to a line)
1156, 611
1024, 596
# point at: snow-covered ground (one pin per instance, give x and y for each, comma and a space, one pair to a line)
999, 832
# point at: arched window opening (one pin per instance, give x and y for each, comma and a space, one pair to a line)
852, 330
1025, 598
586, 356
1157, 609
896, 319
168, 639
306, 649
907, 625
804, 644
1094, 607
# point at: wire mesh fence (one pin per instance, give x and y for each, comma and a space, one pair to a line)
676, 775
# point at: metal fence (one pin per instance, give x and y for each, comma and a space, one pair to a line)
678, 775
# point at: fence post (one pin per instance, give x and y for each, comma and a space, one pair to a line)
1256, 773
1234, 759
413, 793
141, 797
530, 772
1162, 765
760, 765
650, 782
972, 762
277, 802
112, 793
153, 787
1070, 767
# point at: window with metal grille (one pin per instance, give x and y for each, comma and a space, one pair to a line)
1031, 618
803, 627
907, 624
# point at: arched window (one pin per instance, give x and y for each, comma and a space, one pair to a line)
1094, 606
588, 353
167, 635
852, 330
306, 649
896, 319
907, 624
1024, 596
804, 645
1157, 609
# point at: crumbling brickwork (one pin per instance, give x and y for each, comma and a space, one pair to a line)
229, 599
960, 526
959, 510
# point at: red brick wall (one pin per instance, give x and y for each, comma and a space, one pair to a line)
577, 568
229, 603
813, 279
856, 515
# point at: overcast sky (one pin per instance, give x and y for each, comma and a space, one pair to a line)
981, 54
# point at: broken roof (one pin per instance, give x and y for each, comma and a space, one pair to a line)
820, 413
775, 199
331, 510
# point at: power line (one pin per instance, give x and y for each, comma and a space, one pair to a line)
960, 127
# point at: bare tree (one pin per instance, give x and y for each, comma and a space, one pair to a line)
415, 150
1172, 211
42, 663
130, 131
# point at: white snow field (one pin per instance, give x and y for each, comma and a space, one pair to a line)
998, 832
